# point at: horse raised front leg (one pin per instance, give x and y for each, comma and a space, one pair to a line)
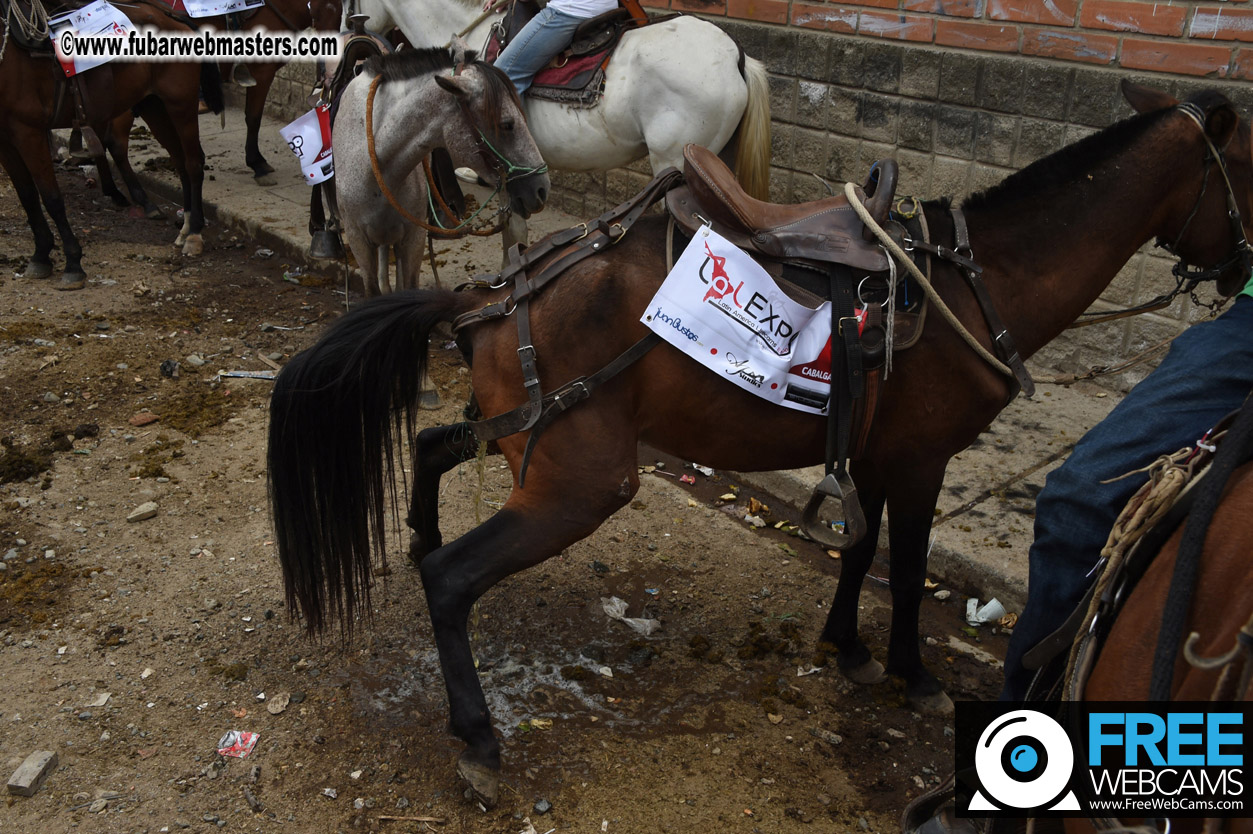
911, 508
536, 524
437, 451
854, 660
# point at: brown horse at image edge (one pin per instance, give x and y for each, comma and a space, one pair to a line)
1049, 239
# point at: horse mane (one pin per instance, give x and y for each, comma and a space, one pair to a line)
415, 63
1069, 163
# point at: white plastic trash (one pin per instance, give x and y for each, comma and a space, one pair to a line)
990, 612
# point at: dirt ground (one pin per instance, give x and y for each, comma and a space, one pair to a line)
130, 647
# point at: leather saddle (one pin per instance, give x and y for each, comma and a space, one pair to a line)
359, 45
825, 231
596, 34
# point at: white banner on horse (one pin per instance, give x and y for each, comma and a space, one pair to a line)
309, 138
212, 8
98, 19
726, 312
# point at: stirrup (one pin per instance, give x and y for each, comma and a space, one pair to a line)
841, 488
91, 149
242, 76
326, 246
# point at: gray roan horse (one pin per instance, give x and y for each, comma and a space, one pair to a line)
1049, 239
397, 110
669, 83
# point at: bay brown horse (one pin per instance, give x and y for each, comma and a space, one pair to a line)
1218, 614
165, 95
275, 16
1049, 239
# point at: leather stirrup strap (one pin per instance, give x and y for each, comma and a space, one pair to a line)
847, 384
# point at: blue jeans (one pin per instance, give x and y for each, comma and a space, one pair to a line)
1207, 374
540, 40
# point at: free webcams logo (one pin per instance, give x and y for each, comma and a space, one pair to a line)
1108, 759
1025, 761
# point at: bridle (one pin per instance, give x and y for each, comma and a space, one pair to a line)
506, 170
1241, 255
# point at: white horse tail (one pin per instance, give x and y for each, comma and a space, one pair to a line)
752, 152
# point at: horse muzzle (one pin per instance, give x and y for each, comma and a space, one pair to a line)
528, 194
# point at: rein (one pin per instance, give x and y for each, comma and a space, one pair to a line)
505, 170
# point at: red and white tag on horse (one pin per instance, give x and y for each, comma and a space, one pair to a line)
726, 312
98, 19
309, 138
212, 8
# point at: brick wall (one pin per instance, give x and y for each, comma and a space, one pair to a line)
961, 93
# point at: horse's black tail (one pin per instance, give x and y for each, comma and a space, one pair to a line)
336, 413
211, 87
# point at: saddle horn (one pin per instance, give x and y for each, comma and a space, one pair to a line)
880, 190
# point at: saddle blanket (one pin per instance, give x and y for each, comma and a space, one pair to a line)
726, 312
309, 138
212, 8
94, 19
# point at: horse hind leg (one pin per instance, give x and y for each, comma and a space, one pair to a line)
188, 159
117, 142
534, 525
40, 264
254, 107
26, 151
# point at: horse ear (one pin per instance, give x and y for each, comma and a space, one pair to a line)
1145, 99
455, 85
1221, 121
457, 48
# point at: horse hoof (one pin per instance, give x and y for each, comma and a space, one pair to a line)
71, 281
135, 212
193, 247
937, 703
153, 213
483, 781
265, 179
37, 269
429, 400
869, 672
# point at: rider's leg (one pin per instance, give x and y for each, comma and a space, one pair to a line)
1207, 374
543, 37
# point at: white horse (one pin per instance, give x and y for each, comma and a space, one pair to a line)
391, 116
678, 81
